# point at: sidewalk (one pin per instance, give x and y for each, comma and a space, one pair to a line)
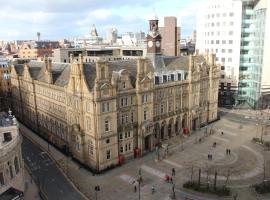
31, 189
56, 154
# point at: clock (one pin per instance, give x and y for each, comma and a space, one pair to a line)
150, 43
157, 43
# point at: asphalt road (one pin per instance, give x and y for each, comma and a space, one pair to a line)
50, 179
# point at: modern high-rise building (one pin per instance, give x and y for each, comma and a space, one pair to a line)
246, 52
259, 96
237, 32
170, 34
219, 32
111, 35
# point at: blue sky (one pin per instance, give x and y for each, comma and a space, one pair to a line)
56, 19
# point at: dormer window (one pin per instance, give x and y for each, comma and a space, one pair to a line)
124, 85
156, 80
165, 78
7, 137
172, 77
179, 76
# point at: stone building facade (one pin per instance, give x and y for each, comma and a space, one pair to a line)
99, 111
11, 164
104, 111
5, 84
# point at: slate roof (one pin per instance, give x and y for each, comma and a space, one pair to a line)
61, 71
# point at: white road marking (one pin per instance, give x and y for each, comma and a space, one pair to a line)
153, 171
172, 163
218, 138
129, 179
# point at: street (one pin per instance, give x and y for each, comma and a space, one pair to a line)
48, 177
239, 129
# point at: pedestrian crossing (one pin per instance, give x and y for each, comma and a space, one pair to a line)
153, 171
218, 138
129, 179
172, 163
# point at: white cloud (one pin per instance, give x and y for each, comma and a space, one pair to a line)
67, 18
101, 13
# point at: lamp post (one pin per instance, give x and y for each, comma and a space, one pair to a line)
97, 189
173, 191
157, 152
139, 181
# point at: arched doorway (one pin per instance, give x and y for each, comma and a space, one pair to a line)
184, 121
177, 125
157, 133
162, 130
170, 128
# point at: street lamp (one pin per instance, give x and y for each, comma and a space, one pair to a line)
157, 152
139, 181
97, 189
173, 191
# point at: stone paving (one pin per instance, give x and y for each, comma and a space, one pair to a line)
244, 166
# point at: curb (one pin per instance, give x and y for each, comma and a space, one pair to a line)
55, 162
41, 193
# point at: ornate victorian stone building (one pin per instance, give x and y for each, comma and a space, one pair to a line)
11, 164
104, 111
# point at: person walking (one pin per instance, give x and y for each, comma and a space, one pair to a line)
171, 180
153, 189
173, 172
135, 188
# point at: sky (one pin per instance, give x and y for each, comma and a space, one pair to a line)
58, 19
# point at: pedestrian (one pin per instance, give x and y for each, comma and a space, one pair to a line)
153, 189
173, 172
227, 151
135, 188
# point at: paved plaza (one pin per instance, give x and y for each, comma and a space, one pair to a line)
239, 169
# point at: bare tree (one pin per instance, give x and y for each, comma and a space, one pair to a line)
227, 177
191, 177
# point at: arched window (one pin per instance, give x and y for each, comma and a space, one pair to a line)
16, 165
102, 73
51, 125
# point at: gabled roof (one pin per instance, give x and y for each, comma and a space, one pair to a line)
61, 71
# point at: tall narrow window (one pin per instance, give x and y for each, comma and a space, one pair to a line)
132, 117
108, 154
145, 115
11, 171
107, 125
16, 165
2, 180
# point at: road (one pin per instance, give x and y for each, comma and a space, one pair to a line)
49, 178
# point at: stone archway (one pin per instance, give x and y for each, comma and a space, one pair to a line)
170, 128
184, 121
163, 130
177, 125
157, 133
